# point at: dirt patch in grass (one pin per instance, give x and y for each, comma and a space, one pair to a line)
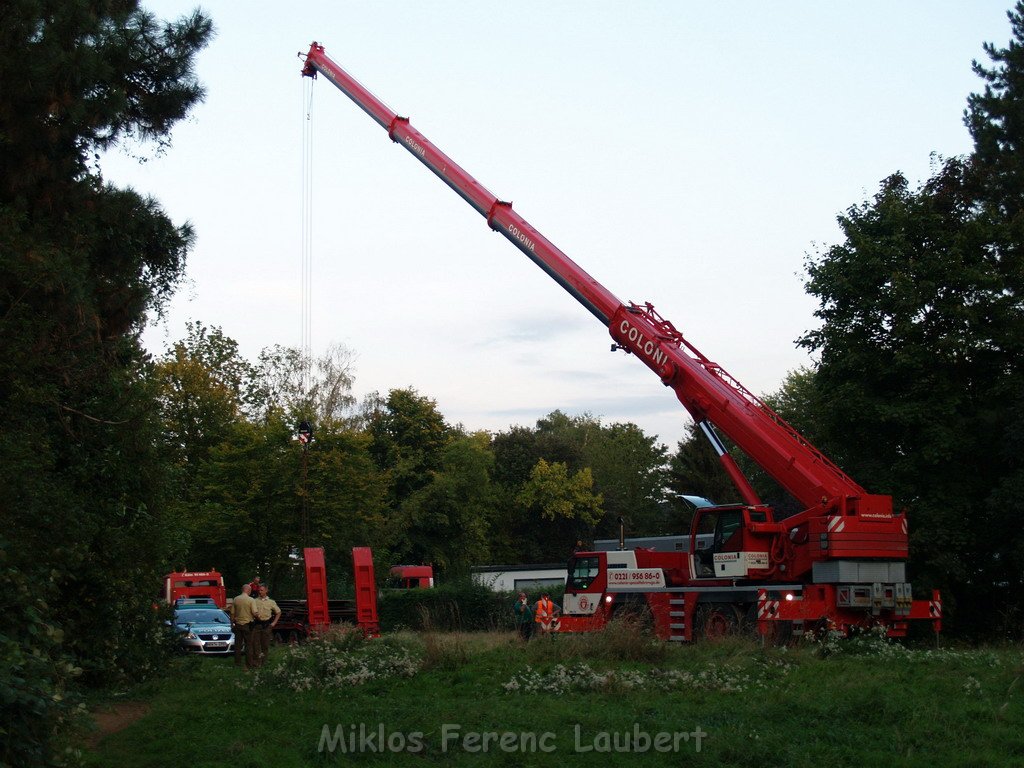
111, 718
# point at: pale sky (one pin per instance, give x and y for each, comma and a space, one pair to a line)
690, 154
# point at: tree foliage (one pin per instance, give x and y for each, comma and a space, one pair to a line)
248, 494
81, 262
409, 436
921, 348
204, 385
995, 118
447, 522
694, 470
627, 466
397, 477
306, 388
555, 494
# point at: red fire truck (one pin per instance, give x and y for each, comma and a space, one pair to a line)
209, 584
838, 563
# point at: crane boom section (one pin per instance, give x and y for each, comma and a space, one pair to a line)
500, 215
703, 387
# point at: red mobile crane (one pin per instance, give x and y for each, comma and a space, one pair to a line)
840, 562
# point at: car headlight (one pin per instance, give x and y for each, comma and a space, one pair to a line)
191, 636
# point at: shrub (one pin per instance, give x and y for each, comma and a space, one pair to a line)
461, 606
34, 674
623, 639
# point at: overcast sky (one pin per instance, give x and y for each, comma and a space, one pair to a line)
690, 154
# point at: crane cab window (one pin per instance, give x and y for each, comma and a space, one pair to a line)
582, 572
720, 527
728, 524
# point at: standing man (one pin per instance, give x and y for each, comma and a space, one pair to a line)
524, 616
241, 622
545, 615
265, 617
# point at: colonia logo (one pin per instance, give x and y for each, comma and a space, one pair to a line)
641, 343
521, 236
415, 147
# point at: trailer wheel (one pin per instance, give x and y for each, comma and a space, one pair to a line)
716, 621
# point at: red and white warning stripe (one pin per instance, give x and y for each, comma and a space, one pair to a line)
935, 609
767, 609
836, 524
903, 525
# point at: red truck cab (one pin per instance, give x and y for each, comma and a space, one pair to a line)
195, 584
411, 577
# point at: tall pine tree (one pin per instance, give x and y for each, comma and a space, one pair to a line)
81, 262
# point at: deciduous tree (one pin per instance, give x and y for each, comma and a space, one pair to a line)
565, 506
921, 349
447, 522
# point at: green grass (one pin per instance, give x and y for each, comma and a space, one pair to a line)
861, 706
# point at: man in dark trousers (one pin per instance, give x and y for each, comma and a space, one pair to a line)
242, 623
524, 616
265, 617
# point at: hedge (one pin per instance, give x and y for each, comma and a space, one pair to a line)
461, 606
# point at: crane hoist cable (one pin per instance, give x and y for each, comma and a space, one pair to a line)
306, 276
304, 428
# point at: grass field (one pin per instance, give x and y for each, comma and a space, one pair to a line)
608, 700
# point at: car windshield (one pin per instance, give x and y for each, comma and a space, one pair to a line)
202, 616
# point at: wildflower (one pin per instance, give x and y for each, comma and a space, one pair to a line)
563, 679
338, 662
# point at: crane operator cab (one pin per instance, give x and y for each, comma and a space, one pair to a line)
718, 542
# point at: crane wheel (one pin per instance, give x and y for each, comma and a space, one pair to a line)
716, 621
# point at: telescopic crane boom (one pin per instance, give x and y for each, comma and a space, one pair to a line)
706, 390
